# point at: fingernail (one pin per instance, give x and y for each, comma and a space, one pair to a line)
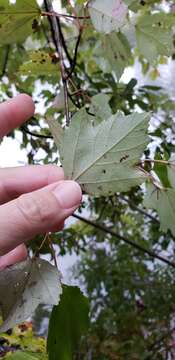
68, 194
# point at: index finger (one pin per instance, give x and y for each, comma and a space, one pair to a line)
14, 112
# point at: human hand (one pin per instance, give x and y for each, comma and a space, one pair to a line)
33, 199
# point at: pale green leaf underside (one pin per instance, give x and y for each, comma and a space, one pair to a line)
154, 37
102, 158
56, 130
100, 107
171, 170
23, 287
107, 15
16, 20
164, 202
116, 51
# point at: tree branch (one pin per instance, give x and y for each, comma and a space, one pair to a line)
106, 230
40, 136
74, 62
152, 218
58, 43
67, 16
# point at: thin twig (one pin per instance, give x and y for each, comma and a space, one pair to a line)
152, 218
40, 136
74, 62
76, 16
58, 43
41, 246
124, 239
52, 251
63, 42
67, 16
161, 162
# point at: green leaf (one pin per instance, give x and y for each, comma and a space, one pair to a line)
69, 321
100, 107
135, 5
114, 53
161, 171
40, 63
20, 355
162, 200
16, 20
107, 15
154, 37
56, 130
23, 287
101, 158
171, 170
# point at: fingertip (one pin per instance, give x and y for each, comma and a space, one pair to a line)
21, 252
15, 112
68, 194
15, 256
28, 103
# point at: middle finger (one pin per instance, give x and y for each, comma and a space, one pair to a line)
17, 181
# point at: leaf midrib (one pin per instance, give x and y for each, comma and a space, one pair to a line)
109, 149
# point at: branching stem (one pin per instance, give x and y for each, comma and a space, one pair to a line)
59, 47
66, 16
161, 162
106, 230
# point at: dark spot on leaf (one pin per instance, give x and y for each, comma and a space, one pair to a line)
33, 283
55, 59
35, 25
142, 2
122, 57
3, 341
23, 301
125, 157
23, 327
9, 332
83, 188
104, 171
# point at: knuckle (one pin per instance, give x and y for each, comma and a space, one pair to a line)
38, 208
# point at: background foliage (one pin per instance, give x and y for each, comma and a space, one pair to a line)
131, 292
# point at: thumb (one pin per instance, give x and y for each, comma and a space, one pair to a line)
38, 212
16, 255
